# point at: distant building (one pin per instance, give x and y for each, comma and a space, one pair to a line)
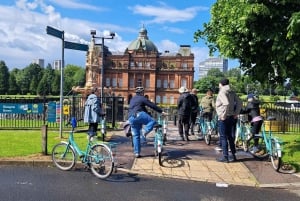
57, 64
162, 74
205, 66
40, 62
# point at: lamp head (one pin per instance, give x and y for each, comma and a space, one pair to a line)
93, 33
112, 34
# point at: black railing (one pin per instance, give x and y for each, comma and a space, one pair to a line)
20, 113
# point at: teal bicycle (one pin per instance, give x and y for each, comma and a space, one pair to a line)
242, 134
99, 157
206, 129
160, 136
268, 146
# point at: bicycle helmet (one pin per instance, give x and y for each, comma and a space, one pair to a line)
139, 90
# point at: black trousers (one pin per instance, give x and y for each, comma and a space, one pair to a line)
183, 124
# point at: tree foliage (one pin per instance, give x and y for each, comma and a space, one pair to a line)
4, 77
262, 35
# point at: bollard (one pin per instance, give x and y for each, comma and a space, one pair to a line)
44, 139
175, 120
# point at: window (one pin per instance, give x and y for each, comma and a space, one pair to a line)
183, 82
139, 83
172, 84
157, 99
114, 82
172, 100
158, 83
147, 83
165, 84
120, 84
107, 82
184, 65
132, 64
131, 83
165, 99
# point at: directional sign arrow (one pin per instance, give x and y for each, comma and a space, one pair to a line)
54, 32
76, 46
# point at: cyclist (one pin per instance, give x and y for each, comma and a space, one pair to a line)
138, 116
253, 111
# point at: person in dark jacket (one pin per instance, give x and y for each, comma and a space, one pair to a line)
195, 109
184, 112
253, 111
138, 116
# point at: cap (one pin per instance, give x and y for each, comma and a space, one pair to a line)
182, 90
194, 90
224, 81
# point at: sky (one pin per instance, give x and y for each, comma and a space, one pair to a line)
169, 23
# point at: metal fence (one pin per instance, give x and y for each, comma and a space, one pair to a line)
26, 112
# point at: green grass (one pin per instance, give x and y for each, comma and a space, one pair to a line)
27, 142
291, 148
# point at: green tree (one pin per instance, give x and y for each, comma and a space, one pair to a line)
263, 35
13, 86
4, 77
73, 75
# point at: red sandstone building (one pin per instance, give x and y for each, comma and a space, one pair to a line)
161, 74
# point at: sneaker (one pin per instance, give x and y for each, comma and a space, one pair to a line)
233, 158
254, 150
218, 148
223, 160
137, 155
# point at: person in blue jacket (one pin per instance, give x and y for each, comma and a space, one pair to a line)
138, 116
92, 112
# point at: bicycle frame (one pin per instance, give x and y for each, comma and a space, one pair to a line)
160, 137
270, 146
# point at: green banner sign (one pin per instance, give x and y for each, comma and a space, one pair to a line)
21, 108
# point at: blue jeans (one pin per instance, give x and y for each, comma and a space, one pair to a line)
137, 122
225, 130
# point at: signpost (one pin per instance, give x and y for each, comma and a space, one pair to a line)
69, 45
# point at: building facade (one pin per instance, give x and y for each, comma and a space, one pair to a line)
210, 63
161, 74
40, 62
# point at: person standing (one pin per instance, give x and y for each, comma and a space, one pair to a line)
253, 110
228, 106
138, 116
184, 113
208, 105
92, 112
195, 109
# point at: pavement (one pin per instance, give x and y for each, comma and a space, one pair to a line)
190, 160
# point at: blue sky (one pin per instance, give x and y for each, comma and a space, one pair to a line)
169, 24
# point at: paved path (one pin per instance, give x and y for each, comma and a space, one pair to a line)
193, 160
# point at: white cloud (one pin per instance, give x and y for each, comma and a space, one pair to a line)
73, 4
164, 13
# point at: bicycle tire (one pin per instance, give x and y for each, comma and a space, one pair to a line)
63, 156
207, 138
276, 155
198, 132
101, 161
263, 152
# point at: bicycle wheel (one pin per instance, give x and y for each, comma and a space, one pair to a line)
276, 155
101, 161
198, 131
207, 137
260, 151
63, 156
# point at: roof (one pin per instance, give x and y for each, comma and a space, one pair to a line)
142, 42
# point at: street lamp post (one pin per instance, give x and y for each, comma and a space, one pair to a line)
111, 36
